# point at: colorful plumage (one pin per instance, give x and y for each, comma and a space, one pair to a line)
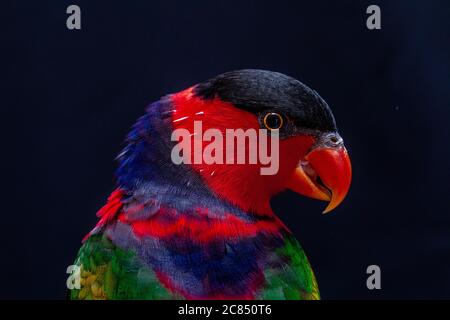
206, 231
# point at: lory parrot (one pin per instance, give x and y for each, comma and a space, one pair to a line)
207, 231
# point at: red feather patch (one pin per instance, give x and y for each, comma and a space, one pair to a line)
167, 224
240, 184
108, 212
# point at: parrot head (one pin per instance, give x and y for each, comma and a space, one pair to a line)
312, 160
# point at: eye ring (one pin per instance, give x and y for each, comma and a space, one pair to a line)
273, 121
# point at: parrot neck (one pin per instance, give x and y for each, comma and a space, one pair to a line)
147, 171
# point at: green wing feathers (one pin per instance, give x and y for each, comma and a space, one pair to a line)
295, 280
108, 272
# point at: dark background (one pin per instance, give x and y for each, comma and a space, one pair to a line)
68, 99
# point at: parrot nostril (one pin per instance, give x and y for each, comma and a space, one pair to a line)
332, 140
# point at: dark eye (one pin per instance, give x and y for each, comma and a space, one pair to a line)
273, 121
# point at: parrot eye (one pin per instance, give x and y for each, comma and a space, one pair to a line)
273, 121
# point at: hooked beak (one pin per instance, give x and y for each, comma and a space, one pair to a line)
324, 174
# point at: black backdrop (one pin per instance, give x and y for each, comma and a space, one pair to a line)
68, 99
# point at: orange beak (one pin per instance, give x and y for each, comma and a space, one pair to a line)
324, 174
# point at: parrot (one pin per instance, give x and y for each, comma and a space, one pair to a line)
206, 231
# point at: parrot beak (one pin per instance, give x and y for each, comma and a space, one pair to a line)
324, 174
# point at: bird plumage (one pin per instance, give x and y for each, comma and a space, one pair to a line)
189, 255
186, 232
